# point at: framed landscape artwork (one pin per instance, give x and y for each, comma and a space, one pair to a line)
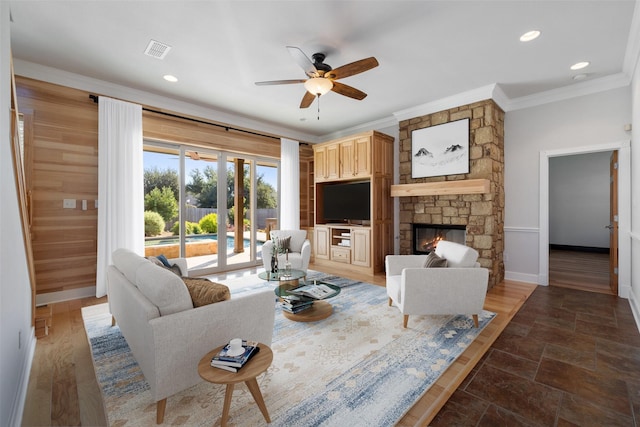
440, 150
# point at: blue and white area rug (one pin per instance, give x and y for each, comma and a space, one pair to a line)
359, 366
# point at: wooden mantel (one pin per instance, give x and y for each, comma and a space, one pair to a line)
467, 186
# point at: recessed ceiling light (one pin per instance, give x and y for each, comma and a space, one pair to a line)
530, 35
170, 78
580, 65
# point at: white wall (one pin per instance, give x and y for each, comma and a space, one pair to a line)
578, 123
17, 341
634, 294
579, 200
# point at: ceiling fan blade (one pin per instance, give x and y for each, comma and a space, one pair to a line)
349, 91
280, 82
307, 100
353, 68
303, 61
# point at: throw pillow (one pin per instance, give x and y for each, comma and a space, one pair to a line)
155, 260
175, 268
204, 291
285, 244
434, 261
163, 259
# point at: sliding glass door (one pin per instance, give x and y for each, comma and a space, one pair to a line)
216, 206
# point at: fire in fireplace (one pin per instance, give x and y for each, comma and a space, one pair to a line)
427, 236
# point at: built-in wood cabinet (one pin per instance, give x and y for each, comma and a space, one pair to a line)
344, 160
307, 183
344, 244
362, 245
321, 242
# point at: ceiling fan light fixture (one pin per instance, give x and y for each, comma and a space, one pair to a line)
318, 85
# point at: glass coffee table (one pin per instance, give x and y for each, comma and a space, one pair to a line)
287, 279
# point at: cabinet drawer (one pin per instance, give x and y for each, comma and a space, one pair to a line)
341, 255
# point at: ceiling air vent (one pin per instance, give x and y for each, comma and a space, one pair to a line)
157, 50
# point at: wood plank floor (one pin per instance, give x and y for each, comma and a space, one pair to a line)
63, 392
586, 271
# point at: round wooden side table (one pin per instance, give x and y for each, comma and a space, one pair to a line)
259, 363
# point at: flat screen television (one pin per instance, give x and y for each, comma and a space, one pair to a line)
347, 202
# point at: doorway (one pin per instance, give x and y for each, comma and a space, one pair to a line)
624, 211
580, 206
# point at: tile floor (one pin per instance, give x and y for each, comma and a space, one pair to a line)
568, 358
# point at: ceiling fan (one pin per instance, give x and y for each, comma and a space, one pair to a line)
322, 78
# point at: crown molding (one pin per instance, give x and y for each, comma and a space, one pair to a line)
589, 87
101, 87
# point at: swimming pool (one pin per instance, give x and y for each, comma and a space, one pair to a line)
157, 241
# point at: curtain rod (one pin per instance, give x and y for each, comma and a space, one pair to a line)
94, 98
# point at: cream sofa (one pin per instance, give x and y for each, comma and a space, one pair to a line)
167, 336
459, 288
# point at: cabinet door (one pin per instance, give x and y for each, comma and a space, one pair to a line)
347, 155
332, 165
321, 242
362, 157
361, 247
320, 164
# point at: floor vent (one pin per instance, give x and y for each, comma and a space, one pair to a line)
157, 49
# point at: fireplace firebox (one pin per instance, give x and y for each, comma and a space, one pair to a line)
427, 236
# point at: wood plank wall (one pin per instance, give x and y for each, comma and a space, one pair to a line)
62, 163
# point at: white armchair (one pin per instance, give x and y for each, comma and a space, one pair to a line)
299, 250
459, 288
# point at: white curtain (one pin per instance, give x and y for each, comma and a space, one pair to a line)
290, 184
120, 183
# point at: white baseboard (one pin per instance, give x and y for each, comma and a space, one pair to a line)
21, 396
522, 277
71, 294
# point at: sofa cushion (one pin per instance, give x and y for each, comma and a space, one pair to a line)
164, 289
128, 263
204, 291
457, 255
434, 261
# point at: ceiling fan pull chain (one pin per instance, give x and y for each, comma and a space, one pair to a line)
318, 106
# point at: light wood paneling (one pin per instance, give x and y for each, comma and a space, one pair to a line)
171, 129
63, 164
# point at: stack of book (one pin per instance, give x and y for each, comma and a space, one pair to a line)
223, 360
296, 303
315, 291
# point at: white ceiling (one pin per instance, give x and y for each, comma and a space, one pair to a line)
427, 50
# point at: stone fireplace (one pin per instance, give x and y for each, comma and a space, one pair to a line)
482, 214
427, 236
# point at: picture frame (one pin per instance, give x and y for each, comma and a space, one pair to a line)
440, 150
